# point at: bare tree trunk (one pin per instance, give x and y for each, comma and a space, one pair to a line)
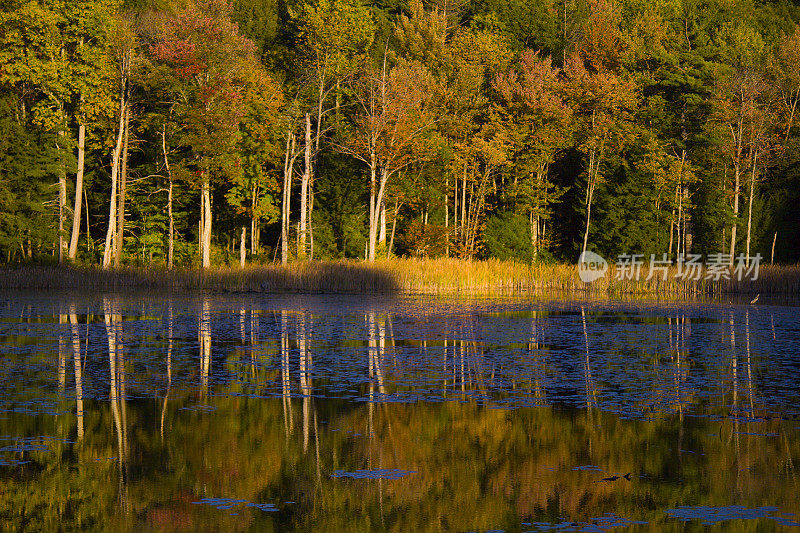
772, 255
123, 180
201, 224
171, 236
446, 218
254, 229
242, 248
382, 234
750, 206
463, 229
680, 219
206, 205
736, 217
288, 170
672, 225
594, 168
455, 210
89, 241
302, 252
373, 190
76, 213
314, 164
112, 215
589, 198
374, 211
737, 176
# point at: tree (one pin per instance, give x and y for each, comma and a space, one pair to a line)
335, 36
49, 49
395, 113
210, 67
538, 122
472, 60
603, 102
742, 110
602, 97
124, 42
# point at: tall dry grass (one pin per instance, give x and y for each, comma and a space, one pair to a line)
435, 276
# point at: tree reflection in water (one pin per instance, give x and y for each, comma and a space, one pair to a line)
496, 420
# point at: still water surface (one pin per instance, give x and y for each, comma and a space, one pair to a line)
352, 413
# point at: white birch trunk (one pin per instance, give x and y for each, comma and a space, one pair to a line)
302, 251
242, 248
288, 170
750, 206
206, 192
171, 235
76, 213
121, 192
112, 215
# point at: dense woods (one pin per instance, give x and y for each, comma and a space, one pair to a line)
200, 132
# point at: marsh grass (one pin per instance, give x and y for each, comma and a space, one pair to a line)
436, 276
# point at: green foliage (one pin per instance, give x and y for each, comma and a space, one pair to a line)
507, 236
28, 166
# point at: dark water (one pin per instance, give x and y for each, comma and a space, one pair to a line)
345, 413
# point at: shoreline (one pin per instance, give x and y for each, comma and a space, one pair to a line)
415, 276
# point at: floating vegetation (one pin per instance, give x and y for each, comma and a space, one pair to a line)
381, 473
602, 523
201, 408
712, 515
228, 503
19, 448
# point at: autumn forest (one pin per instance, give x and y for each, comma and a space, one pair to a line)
214, 132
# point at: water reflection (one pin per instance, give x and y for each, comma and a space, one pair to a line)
76, 356
514, 415
204, 340
116, 395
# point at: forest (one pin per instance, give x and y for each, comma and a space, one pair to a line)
216, 132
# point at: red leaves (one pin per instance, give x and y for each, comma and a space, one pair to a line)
182, 55
532, 85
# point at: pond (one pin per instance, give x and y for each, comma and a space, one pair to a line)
396, 413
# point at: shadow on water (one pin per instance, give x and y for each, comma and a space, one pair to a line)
342, 413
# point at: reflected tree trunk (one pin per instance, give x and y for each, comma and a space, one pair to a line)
749, 368
242, 320
305, 378
170, 335
62, 354
254, 329
285, 376
539, 392
377, 347
591, 391
116, 364
204, 337
76, 354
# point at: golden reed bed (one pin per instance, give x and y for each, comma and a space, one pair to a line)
434, 276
